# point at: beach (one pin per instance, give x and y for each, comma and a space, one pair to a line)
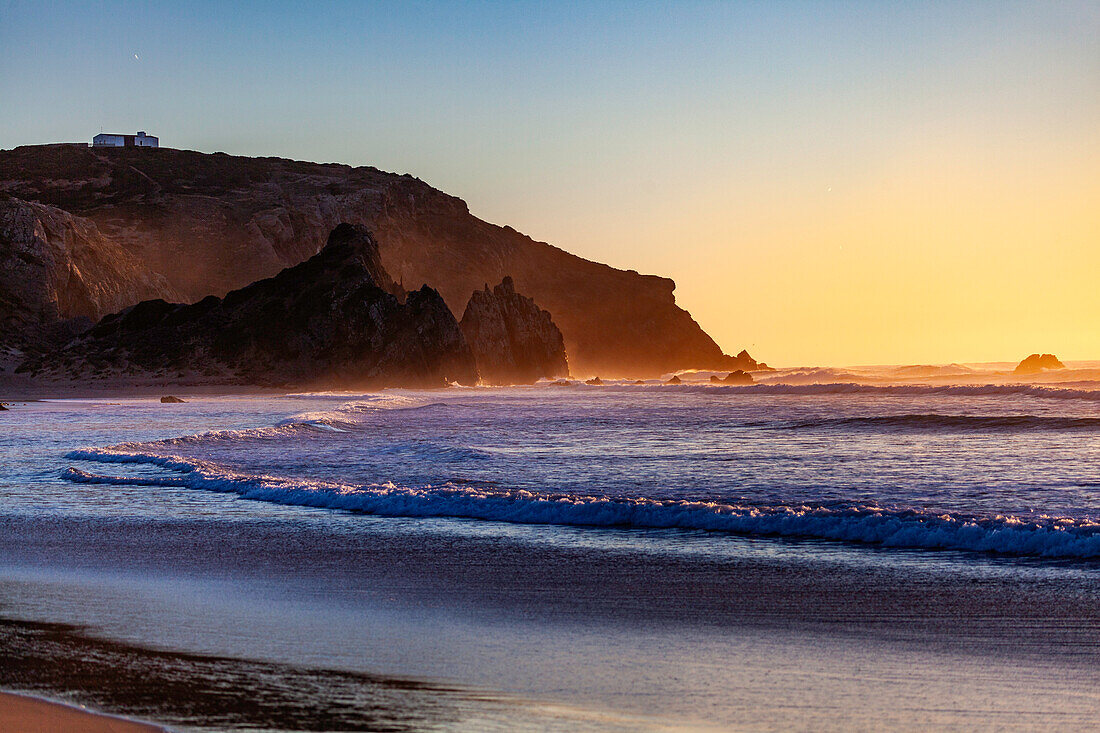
599, 558
549, 367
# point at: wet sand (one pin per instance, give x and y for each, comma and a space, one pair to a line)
198, 610
284, 625
188, 690
23, 714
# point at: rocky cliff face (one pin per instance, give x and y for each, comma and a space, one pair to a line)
513, 340
744, 362
212, 223
330, 321
55, 266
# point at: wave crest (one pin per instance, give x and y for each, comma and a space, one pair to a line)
901, 390
1049, 537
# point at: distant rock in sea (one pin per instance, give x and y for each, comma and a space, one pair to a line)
333, 320
1037, 363
513, 340
738, 377
594, 381
675, 380
170, 400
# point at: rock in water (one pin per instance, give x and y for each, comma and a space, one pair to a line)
3, 409
513, 340
675, 380
333, 320
1037, 363
738, 377
170, 400
594, 381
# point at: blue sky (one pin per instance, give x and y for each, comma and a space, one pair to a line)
679, 138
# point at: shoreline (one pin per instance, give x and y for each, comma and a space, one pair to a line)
23, 712
18, 390
139, 682
200, 610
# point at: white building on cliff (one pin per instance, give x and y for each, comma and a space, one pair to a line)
111, 140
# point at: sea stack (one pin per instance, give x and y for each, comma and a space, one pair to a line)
513, 340
334, 320
1038, 363
736, 377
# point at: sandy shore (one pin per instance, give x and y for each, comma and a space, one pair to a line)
23, 714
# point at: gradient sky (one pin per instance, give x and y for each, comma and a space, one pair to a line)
828, 183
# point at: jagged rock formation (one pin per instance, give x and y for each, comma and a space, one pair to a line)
212, 223
56, 267
513, 340
333, 320
1038, 363
735, 377
745, 363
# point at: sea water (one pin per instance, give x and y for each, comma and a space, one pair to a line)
635, 555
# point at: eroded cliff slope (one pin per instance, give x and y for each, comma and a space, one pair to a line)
210, 223
55, 266
332, 321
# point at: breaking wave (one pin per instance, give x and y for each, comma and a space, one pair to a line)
902, 390
347, 418
1048, 537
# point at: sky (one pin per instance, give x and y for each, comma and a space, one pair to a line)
827, 183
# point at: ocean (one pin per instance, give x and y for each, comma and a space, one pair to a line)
617, 557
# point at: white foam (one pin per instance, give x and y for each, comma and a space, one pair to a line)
903, 390
1053, 537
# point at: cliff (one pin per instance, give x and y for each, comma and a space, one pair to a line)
333, 320
209, 223
744, 362
55, 266
513, 340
